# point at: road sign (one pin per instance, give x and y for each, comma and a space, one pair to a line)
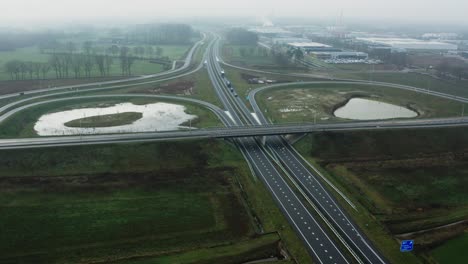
406, 245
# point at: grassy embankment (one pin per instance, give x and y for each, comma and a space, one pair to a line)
257, 57
106, 120
253, 55
243, 88
453, 251
22, 124
414, 79
402, 181
201, 89
304, 103
115, 203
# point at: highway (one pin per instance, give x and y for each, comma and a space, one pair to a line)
341, 224
242, 127
320, 246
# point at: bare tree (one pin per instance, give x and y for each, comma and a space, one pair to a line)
12, 67
87, 47
108, 61
54, 62
77, 64
45, 68
29, 69
71, 47
149, 51
159, 51
37, 69
100, 62
88, 65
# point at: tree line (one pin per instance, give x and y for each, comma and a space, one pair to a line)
10, 41
65, 61
281, 54
89, 47
66, 65
240, 36
452, 68
155, 34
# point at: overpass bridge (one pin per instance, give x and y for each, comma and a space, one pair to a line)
230, 132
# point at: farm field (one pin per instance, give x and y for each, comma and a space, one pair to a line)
114, 203
399, 180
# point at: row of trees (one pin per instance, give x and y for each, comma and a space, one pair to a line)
240, 36
20, 70
449, 68
155, 34
66, 65
10, 41
248, 51
397, 58
278, 53
89, 47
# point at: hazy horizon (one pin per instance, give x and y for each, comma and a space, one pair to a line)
49, 12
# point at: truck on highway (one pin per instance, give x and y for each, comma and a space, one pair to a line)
222, 73
228, 83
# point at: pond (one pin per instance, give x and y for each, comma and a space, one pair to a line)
155, 117
365, 109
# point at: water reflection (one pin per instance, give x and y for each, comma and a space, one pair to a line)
364, 109
156, 117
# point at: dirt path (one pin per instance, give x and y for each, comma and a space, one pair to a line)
404, 235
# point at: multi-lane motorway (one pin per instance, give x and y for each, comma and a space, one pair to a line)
322, 248
347, 232
343, 242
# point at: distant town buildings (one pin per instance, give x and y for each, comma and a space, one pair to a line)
312, 46
440, 36
408, 43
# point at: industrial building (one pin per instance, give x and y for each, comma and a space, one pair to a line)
286, 40
313, 46
408, 43
340, 55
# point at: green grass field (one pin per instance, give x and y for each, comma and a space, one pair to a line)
399, 181
414, 79
202, 88
106, 120
304, 103
252, 56
137, 203
22, 124
262, 247
243, 87
140, 67
453, 251
114, 202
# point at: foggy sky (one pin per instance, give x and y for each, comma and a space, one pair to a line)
16, 12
